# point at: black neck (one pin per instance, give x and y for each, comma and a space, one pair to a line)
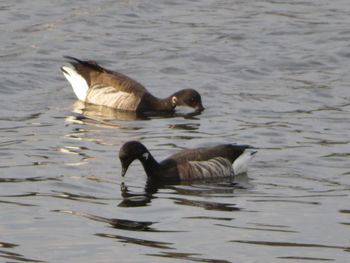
152, 103
150, 165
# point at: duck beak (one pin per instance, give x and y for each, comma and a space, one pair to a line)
124, 169
125, 165
199, 108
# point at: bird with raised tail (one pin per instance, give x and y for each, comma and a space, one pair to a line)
96, 85
223, 160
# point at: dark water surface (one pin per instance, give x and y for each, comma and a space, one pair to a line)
273, 74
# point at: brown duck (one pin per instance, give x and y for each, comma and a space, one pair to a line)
96, 85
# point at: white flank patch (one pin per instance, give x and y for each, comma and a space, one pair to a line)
78, 83
240, 165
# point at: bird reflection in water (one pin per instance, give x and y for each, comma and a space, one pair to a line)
131, 199
102, 113
99, 115
203, 188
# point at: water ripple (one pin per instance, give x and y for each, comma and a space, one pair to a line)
12, 255
137, 241
291, 244
259, 229
114, 222
207, 205
307, 258
188, 257
29, 179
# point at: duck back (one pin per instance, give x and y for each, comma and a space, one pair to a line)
227, 151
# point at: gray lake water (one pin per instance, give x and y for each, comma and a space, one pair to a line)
272, 74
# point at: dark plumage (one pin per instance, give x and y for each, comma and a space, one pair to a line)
189, 164
97, 85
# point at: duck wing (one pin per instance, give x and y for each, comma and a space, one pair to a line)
208, 162
226, 151
108, 96
96, 76
212, 168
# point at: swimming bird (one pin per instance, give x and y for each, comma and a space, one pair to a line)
222, 160
97, 85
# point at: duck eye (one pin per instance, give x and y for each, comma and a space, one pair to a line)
174, 100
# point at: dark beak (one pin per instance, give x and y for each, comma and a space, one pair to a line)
124, 169
199, 108
125, 165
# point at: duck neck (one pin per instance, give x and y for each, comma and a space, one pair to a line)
157, 104
150, 165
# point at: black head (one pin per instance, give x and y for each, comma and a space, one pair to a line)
188, 97
129, 152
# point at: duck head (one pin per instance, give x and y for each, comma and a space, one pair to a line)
188, 97
131, 151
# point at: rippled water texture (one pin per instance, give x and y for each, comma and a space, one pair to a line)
273, 74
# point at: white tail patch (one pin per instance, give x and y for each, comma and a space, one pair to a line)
240, 165
78, 83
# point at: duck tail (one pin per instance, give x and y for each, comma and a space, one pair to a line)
240, 165
79, 64
73, 58
77, 81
